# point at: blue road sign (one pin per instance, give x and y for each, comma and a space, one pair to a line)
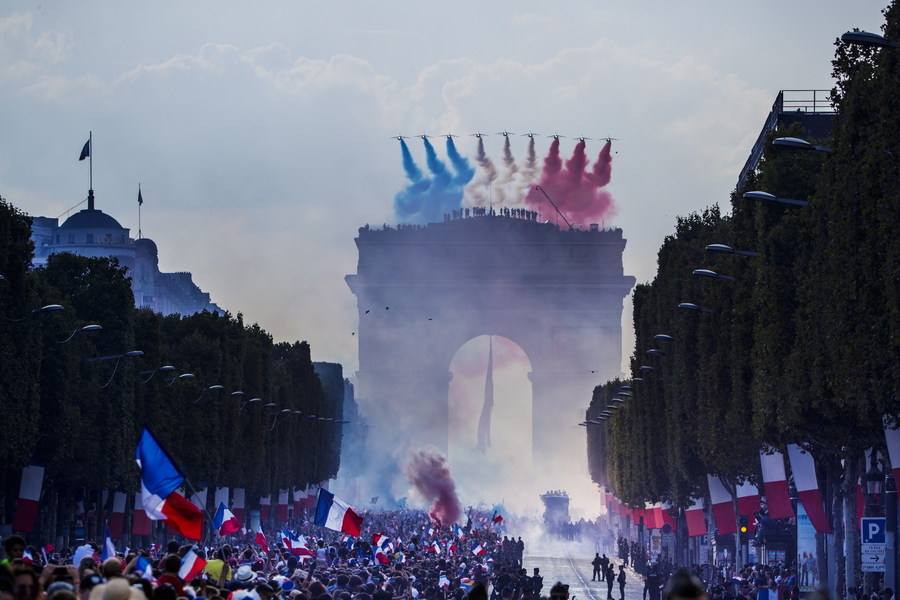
872, 530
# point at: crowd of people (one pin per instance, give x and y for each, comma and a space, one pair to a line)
400, 555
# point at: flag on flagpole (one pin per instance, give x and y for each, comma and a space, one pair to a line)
478, 549
261, 539
335, 514
160, 479
140, 198
224, 521
109, 548
86, 150
144, 567
191, 565
498, 518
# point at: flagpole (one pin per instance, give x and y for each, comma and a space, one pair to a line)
139, 210
91, 170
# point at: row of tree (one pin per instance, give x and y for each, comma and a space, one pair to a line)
803, 346
80, 417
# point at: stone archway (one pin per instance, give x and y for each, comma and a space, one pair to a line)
423, 291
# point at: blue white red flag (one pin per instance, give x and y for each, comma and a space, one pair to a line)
191, 565
109, 548
335, 514
160, 479
224, 521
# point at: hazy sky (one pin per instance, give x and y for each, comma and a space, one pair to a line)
260, 132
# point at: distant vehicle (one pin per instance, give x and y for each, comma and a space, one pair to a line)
399, 137
530, 134
505, 133
556, 136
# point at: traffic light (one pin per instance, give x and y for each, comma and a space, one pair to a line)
742, 527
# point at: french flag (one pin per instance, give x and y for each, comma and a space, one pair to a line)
748, 502
337, 515
436, 547
224, 521
29, 499
191, 565
297, 546
238, 504
109, 548
117, 517
696, 520
261, 539
775, 484
265, 506
892, 437
141, 524
380, 557
723, 509
282, 512
160, 479
804, 469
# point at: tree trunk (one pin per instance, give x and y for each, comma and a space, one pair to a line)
837, 525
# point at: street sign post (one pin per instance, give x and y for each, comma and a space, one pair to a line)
873, 547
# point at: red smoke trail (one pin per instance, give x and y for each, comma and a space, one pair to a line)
429, 472
577, 193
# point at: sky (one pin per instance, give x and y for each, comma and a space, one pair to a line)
260, 133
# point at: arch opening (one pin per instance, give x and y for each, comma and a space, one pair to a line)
506, 463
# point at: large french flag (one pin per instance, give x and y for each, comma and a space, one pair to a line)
29, 499
723, 509
224, 521
804, 469
775, 484
337, 515
160, 479
696, 520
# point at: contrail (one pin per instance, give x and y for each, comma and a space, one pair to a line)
427, 199
479, 190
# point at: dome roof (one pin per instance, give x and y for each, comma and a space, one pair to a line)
91, 219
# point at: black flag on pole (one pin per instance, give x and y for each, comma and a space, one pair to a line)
86, 151
140, 198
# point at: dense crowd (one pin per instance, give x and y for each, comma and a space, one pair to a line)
400, 555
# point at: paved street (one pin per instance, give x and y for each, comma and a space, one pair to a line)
570, 562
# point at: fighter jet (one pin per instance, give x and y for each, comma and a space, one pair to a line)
399, 137
556, 136
479, 135
582, 139
449, 136
530, 134
505, 133
423, 136
609, 139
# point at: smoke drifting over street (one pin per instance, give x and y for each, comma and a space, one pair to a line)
429, 473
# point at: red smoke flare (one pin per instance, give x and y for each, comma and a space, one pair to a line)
429, 472
577, 193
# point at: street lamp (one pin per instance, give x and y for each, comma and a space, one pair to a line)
868, 40
152, 372
118, 357
37, 311
772, 198
181, 377
792, 142
692, 306
79, 330
874, 477
723, 249
711, 274
645, 368
246, 402
656, 352
664, 337
212, 388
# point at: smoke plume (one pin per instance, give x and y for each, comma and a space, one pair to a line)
479, 192
427, 199
577, 193
428, 471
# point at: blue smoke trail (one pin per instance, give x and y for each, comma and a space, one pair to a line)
427, 199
